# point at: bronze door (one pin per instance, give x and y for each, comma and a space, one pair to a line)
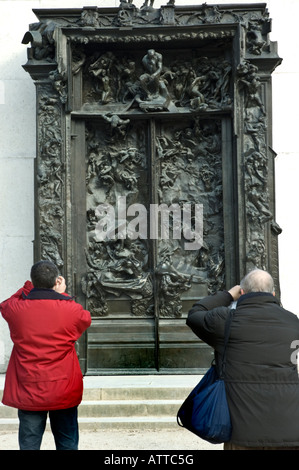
140, 201
152, 125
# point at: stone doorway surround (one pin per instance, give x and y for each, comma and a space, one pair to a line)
138, 108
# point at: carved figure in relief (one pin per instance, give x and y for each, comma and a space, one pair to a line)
41, 36
211, 14
171, 283
221, 91
55, 171
248, 77
152, 62
127, 13
60, 84
256, 169
118, 125
105, 172
101, 70
129, 80
130, 156
50, 242
124, 272
118, 167
197, 98
89, 18
255, 40
106, 88
145, 5
155, 95
259, 202
178, 77
104, 62
79, 58
256, 255
201, 83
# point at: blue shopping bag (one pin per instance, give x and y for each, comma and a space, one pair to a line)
205, 411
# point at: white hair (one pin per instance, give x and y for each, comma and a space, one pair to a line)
257, 280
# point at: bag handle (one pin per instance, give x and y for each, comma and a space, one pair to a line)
226, 337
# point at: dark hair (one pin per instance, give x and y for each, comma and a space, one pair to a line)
44, 274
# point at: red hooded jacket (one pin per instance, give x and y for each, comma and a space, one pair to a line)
43, 372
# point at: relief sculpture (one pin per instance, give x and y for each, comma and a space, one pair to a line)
122, 267
190, 169
187, 159
256, 166
117, 265
155, 96
154, 82
50, 178
153, 125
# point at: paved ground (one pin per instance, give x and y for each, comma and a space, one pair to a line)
175, 439
123, 440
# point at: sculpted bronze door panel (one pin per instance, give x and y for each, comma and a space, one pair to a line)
118, 283
140, 274
154, 170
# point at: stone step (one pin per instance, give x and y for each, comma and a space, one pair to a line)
140, 393
124, 403
121, 408
94, 424
104, 413
136, 393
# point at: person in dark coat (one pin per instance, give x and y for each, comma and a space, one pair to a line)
261, 373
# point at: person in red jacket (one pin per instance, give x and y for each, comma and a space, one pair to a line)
43, 374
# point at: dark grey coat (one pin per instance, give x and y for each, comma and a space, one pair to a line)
261, 381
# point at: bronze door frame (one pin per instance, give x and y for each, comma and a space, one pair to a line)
67, 50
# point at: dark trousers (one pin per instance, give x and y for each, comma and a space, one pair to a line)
64, 426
